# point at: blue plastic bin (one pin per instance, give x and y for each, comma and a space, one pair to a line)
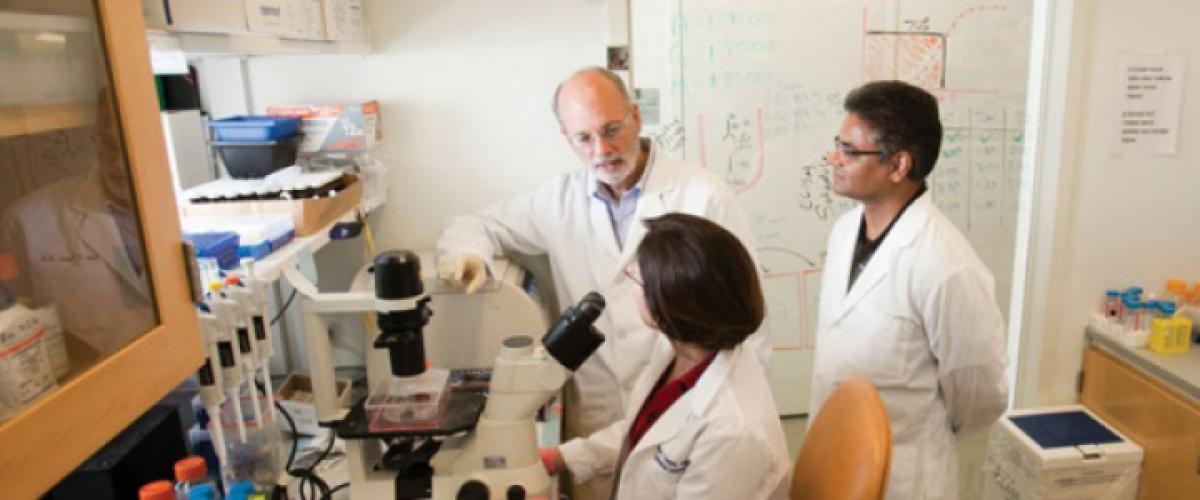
253, 128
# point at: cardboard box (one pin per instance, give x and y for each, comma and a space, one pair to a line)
334, 126
303, 410
309, 214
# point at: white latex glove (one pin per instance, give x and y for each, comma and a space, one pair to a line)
464, 270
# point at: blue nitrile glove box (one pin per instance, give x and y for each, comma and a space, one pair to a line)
258, 235
222, 246
260, 249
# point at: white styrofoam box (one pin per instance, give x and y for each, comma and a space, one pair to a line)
1017, 467
344, 20
207, 16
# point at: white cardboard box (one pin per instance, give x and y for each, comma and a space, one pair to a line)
1018, 467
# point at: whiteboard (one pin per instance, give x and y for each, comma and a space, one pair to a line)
752, 90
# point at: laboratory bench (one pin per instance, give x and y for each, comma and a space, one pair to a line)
1155, 400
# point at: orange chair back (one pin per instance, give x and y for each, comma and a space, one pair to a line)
847, 450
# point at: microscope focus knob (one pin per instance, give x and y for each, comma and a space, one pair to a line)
473, 490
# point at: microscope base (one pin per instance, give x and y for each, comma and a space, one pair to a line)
499, 455
532, 478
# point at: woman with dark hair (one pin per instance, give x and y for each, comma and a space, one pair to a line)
702, 422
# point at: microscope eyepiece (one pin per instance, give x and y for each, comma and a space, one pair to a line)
591, 306
572, 338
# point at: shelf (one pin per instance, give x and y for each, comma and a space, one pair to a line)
12, 21
25, 120
233, 44
270, 267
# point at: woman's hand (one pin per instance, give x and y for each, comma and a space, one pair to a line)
552, 460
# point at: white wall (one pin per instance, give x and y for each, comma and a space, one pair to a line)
465, 89
1112, 221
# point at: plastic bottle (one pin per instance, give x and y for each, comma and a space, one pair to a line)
1150, 310
191, 476
157, 490
240, 490
202, 492
25, 370
201, 441
1112, 305
1177, 291
1129, 306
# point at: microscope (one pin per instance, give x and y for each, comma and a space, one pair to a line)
481, 447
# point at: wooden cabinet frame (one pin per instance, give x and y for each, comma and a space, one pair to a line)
1156, 417
52, 437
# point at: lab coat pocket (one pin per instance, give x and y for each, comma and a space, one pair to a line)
668, 464
877, 345
669, 461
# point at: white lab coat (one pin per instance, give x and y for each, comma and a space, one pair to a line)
720, 440
563, 220
922, 324
70, 253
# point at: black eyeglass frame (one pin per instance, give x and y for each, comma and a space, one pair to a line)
848, 150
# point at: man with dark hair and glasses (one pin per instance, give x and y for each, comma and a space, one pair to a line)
588, 223
905, 300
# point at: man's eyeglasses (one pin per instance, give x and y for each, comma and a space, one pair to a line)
846, 149
608, 132
632, 277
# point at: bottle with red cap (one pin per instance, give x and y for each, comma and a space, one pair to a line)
157, 490
192, 481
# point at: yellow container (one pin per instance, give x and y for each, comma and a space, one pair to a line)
1170, 336
1183, 333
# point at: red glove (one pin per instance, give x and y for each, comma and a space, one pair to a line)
552, 460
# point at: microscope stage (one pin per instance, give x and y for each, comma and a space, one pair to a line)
463, 412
